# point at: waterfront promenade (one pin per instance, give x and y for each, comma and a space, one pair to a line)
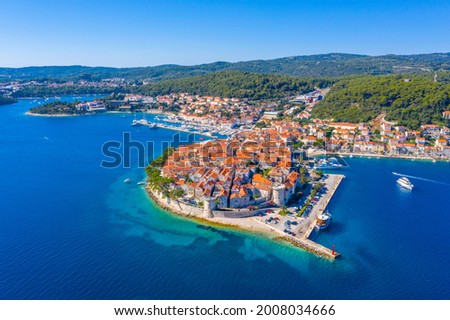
331, 184
316, 153
308, 223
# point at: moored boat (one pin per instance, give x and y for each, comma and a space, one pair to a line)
138, 123
328, 164
323, 220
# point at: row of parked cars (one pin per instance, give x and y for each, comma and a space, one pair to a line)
288, 224
273, 220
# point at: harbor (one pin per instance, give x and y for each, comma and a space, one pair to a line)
301, 227
307, 224
173, 123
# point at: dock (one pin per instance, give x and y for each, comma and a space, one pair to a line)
332, 183
315, 248
175, 128
308, 225
179, 129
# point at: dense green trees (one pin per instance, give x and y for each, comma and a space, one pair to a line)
7, 100
156, 181
45, 91
233, 84
55, 108
410, 100
161, 160
261, 124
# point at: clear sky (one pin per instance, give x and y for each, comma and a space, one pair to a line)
148, 33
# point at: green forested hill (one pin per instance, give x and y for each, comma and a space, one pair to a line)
56, 108
410, 100
235, 84
321, 65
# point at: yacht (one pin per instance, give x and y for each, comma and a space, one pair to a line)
328, 164
152, 125
323, 220
405, 183
127, 180
137, 123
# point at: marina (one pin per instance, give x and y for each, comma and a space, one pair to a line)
173, 123
328, 164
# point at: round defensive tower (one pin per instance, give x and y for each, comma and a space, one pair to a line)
278, 194
208, 207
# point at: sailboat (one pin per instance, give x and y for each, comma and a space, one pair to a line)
141, 122
135, 122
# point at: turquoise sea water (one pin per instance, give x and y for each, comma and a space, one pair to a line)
73, 230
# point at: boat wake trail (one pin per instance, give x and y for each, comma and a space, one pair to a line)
419, 178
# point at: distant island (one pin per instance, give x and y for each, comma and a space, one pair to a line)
6, 100
61, 108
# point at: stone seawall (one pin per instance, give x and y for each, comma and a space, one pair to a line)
194, 211
233, 214
176, 206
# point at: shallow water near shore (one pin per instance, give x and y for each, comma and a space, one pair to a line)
73, 230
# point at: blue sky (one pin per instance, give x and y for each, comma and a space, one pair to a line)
148, 33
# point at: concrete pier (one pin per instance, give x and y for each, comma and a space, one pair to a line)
308, 225
331, 183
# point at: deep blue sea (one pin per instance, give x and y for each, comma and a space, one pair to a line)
71, 229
